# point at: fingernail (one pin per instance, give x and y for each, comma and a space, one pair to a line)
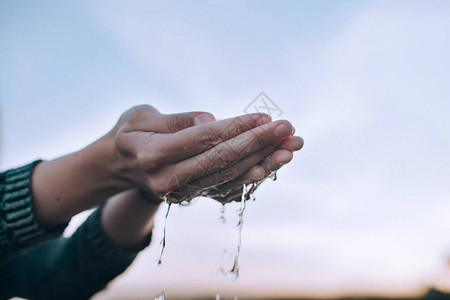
282, 130
203, 119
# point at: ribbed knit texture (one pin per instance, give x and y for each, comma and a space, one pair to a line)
62, 268
18, 227
67, 268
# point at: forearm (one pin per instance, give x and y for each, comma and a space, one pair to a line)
73, 183
19, 228
68, 268
127, 218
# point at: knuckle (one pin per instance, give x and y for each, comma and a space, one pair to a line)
148, 162
222, 158
137, 113
201, 163
219, 163
259, 138
210, 137
235, 128
176, 122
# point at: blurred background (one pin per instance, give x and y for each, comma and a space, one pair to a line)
363, 209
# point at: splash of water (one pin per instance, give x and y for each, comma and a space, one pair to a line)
163, 240
161, 296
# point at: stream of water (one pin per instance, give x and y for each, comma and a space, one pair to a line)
247, 194
163, 240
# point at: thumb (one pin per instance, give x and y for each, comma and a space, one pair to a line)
177, 122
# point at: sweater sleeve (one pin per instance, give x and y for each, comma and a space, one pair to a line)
68, 268
18, 226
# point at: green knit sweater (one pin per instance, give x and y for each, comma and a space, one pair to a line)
36, 263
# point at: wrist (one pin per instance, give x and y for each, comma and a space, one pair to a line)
78, 181
125, 162
116, 168
127, 218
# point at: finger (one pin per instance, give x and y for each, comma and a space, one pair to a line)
255, 173
218, 178
276, 160
292, 143
246, 171
176, 122
148, 119
231, 151
271, 163
194, 140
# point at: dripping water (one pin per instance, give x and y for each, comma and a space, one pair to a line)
161, 296
222, 214
163, 240
247, 194
233, 274
217, 297
273, 175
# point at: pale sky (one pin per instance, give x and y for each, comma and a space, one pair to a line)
362, 208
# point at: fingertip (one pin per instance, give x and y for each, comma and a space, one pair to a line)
297, 143
256, 173
292, 143
286, 156
283, 128
302, 143
280, 158
263, 119
204, 118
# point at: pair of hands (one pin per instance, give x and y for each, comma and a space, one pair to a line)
148, 157
180, 156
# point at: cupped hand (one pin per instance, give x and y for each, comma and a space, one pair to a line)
224, 192
164, 153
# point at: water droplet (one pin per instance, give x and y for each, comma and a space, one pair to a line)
273, 175
163, 240
185, 203
217, 296
161, 296
222, 214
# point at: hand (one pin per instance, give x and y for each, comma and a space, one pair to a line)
232, 190
162, 153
